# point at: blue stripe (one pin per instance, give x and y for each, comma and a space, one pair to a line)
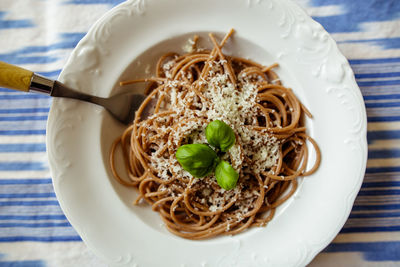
23, 96
54, 73
23, 132
32, 217
378, 83
67, 40
40, 238
15, 59
376, 207
26, 103
383, 153
24, 118
384, 119
378, 192
5, 90
382, 169
24, 55
34, 225
380, 184
34, 263
376, 75
22, 166
354, 14
24, 110
381, 97
34, 147
372, 251
25, 181
374, 61
374, 215
382, 105
29, 203
31, 210
26, 189
383, 135
371, 229
28, 195
14, 24
23, 126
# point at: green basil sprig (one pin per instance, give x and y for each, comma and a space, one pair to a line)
200, 160
220, 135
197, 159
226, 175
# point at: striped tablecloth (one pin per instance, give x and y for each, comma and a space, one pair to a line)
39, 35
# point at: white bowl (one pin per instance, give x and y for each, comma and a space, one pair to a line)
128, 39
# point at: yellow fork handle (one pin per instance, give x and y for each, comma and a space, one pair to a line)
14, 77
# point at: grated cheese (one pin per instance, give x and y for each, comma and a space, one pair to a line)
236, 106
188, 46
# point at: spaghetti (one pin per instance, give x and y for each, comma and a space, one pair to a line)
270, 152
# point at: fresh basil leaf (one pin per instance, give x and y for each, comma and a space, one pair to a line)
197, 159
226, 175
220, 135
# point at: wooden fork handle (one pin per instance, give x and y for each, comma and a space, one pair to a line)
13, 77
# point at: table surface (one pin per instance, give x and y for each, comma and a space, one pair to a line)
40, 35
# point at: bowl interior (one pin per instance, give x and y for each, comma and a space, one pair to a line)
143, 66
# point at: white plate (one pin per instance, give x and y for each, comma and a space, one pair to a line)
121, 45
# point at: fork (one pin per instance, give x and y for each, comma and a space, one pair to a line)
121, 106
